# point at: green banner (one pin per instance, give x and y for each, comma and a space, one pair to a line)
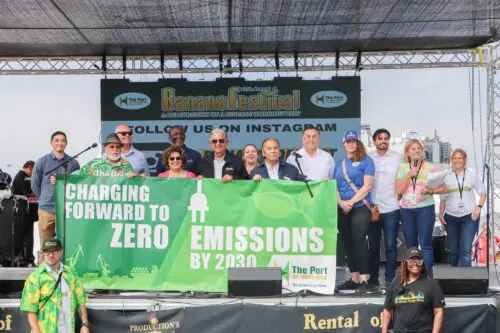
182, 234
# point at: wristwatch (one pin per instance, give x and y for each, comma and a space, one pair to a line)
480, 206
85, 324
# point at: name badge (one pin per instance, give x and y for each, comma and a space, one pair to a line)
412, 199
461, 207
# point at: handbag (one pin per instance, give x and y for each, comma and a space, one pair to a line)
375, 213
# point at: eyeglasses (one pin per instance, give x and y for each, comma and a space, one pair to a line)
125, 133
415, 261
176, 158
52, 253
214, 141
117, 147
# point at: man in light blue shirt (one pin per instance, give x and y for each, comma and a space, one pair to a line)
135, 157
43, 184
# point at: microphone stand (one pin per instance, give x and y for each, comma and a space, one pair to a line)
64, 164
13, 225
302, 173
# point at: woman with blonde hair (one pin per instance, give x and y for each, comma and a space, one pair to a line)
417, 201
458, 209
250, 156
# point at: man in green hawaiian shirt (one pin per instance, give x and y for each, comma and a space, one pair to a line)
112, 164
52, 294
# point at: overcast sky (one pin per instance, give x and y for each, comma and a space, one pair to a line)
418, 100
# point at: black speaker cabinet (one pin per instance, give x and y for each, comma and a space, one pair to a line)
462, 280
441, 251
257, 281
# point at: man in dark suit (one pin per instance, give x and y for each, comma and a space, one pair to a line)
274, 167
221, 164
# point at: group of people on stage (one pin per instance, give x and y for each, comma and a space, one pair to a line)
385, 184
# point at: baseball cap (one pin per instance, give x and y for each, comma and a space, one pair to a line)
52, 244
413, 252
112, 138
351, 135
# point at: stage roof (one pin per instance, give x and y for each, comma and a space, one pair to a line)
68, 28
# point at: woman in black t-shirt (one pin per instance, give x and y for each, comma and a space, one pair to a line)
414, 302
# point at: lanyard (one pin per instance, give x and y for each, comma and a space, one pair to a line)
460, 189
414, 179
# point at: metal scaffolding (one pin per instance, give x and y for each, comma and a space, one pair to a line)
482, 57
230, 64
493, 139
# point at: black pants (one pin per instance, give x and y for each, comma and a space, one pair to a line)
24, 240
353, 228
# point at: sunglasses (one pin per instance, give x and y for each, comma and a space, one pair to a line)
415, 261
114, 147
125, 133
214, 141
176, 158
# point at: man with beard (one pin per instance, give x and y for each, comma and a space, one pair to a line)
274, 167
221, 164
53, 294
384, 195
43, 185
112, 164
177, 136
316, 163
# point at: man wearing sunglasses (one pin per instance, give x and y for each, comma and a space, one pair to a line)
129, 153
177, 136
112, 164
53, 294
221, 164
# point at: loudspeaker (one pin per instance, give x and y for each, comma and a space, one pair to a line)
257, 281
441, 251
462, 280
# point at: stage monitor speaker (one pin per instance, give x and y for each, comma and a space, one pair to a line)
462, 280
256, 281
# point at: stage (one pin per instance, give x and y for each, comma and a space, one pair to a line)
138, 300
117, 312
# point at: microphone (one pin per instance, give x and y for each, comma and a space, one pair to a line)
94, 145
296, 154
415, 160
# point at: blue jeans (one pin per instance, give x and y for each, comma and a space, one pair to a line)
389, 223
461, 231
418, 224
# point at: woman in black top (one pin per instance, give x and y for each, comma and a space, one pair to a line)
414, 302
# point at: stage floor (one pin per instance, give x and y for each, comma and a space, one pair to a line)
114, 300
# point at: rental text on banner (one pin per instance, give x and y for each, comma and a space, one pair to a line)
183, 234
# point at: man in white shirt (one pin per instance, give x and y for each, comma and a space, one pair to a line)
315, 162
385, 196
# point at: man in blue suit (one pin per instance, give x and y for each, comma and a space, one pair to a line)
274, 167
